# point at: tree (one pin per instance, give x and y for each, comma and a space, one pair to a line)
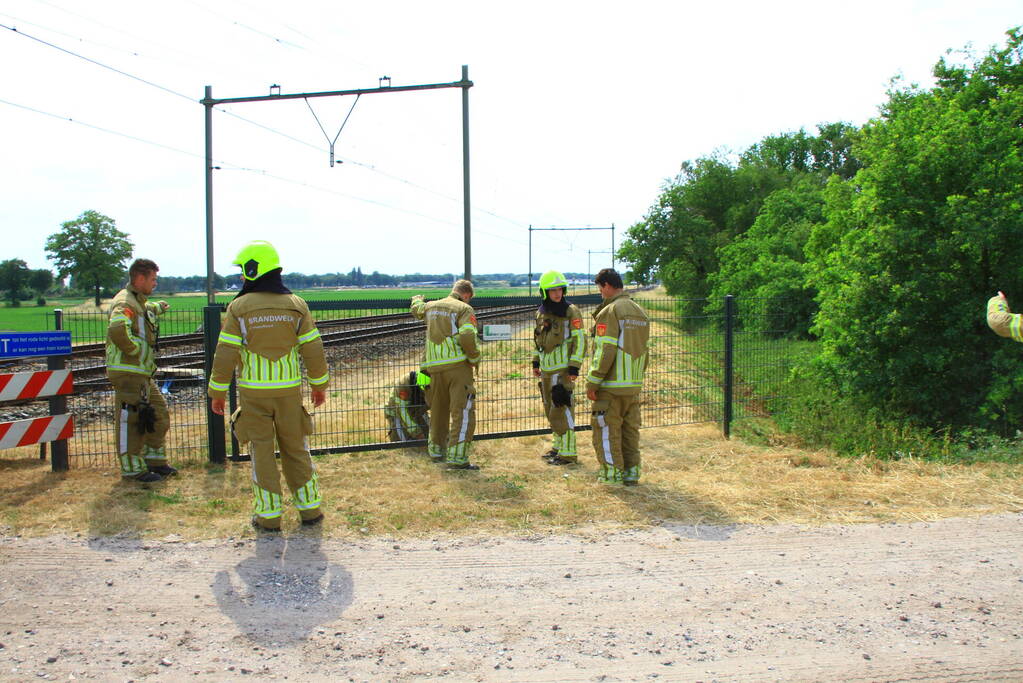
40, 280
932, 230
91, 250
765, 267
13, 277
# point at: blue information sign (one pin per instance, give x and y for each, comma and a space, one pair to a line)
26, 344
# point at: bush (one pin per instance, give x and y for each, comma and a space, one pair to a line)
40, 301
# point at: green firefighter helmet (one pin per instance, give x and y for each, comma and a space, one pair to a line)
257, 258
550, 280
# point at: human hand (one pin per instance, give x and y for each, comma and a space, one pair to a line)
217, 405
319, 397
1002, 297
164, 306
591, 394
536, 372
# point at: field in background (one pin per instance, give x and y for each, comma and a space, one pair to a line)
31, 318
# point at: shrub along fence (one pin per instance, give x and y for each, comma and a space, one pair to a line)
702, 369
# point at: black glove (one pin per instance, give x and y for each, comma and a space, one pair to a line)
536, 365
573, 371
147, 417
560, 396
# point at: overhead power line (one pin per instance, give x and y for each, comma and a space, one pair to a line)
230, 166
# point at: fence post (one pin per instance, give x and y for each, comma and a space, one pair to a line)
729, 365
214, 422
58, 404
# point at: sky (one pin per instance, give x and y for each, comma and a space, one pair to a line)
579, 113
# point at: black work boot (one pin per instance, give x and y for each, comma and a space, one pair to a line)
147, 477
552, 453
462, 466
559, 460
313, 522
259, 527
163, 470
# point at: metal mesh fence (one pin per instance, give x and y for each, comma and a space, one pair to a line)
372, 345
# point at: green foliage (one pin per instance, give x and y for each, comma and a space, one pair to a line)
821, 417
14, 275
91, 250
765, 267
713, 202
930, 230
40, 281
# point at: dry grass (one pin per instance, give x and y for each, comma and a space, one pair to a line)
691, 475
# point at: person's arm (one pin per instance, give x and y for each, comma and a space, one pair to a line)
310, 345
418, 307
225, 359
120, 329
536, 352
577, 344
467, 337
158, 307
605, 350
1002, 320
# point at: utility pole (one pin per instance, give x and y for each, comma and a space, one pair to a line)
209, 102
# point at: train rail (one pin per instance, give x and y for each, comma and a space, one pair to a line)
182, 367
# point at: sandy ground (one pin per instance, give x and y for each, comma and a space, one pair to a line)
930, 601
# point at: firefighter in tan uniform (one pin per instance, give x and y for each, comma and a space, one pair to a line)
140, 412
1002, 321
266, 331
407, 417
452, 358
558, 354
621, 332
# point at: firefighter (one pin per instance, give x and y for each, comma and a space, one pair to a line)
266, 331
621, 332
557, 357
452, 358
140, 412
406, 414
1001, 320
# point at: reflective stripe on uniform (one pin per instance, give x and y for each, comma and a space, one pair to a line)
605, 438
308, 496
1015, 325
267, 504
309, 336
445, 353
232, 339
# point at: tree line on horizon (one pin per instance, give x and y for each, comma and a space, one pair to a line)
92, 255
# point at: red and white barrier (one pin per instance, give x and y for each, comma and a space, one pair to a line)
21, 385
36, 430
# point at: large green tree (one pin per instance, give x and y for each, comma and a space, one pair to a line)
713, 201
40, 280
765, 267
14, 274
931, 227
91, 250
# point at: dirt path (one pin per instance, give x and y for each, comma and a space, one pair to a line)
934, 601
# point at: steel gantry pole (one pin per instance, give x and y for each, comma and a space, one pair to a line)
465, 170
208, 103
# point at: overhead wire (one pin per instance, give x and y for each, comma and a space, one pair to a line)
144, 81
227, 165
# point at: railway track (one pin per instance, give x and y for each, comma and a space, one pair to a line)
183, 366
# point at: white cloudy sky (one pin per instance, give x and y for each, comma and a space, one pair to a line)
580, 111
